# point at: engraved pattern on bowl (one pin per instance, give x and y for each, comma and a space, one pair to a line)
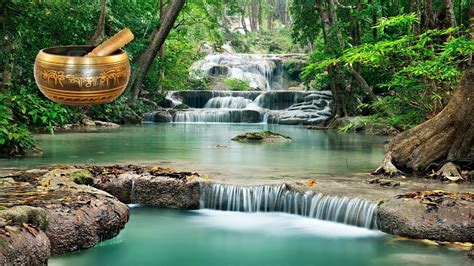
77, 80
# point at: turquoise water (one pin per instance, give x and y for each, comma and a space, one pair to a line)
208, 149
174, 237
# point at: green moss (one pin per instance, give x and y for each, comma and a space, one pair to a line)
82, 177
26, 214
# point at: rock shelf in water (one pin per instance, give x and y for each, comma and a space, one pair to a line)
262, 137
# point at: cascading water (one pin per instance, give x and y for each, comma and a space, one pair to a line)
256, 69
267, 198
278, 107
228, 102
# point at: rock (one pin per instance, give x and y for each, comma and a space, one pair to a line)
162, 116
181, 106
384, 182
471, 253
263, 137
102, 124
154, 190
87, 124
250, 116
26, 246
409, 218
72, 215
120, 187
72, 229
313, 109
19, 215
167, 192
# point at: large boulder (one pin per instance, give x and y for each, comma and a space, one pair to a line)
155, 186
164, 191
23, 244
72, 214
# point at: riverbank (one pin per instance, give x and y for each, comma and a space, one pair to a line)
62, 195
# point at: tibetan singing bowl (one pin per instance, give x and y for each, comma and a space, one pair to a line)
65, 76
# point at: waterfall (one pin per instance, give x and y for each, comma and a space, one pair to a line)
267, 198
256, 69
228, 102
132, 192
273, 107
173, 101
221, 115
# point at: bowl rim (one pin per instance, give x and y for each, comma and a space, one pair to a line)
46, 57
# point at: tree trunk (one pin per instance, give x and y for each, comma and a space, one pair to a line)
429, 15
415, 8
260, 18
162, 48
270, 15
446, 16
99, 34
146, 59
449, 136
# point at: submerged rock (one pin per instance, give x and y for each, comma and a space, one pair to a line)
264, 137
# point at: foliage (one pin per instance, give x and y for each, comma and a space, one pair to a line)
237, 84
411, 70
277, 41
29, 26
294, 68
14, 138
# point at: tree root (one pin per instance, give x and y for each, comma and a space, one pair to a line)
450, 172
387, 167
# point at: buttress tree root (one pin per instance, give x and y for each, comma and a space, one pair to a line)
448, 137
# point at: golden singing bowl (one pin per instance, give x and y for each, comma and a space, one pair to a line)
65, 76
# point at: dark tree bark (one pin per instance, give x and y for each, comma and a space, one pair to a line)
146, 58
415, 8
448, 136
429, 15
446, 16
99, 34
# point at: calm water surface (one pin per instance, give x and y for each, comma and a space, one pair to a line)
172, 237
208, 149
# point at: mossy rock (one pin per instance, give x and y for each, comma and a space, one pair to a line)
26, 214
82, 177
262, 137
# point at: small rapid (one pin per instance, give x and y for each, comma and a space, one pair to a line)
268, 198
